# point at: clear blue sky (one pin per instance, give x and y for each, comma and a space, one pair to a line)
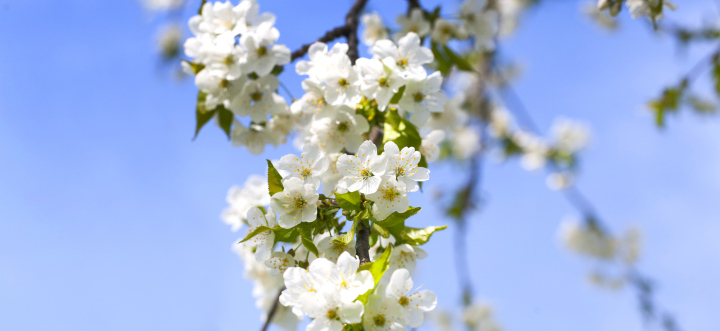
109, 213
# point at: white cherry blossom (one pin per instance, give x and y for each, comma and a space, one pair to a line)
409, 55
403, 165
258, 99
413, 304
254, 137
390, 196
361, 172
329, 179
329, 312
309, 166
343, 83
279, 262
313, 101
320, 62
422, 97
296, 203
415, 23
382, 314
374, 28
331, 250
254, 193
345, 275
341, 130
262, 55
405, 256
264, 241
380, 79
430, 147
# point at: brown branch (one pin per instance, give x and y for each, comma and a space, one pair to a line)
272, 311
412, 4
349, 31
362, 246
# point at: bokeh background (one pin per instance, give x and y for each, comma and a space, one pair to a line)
109, 211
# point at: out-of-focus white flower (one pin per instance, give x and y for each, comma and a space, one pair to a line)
329, 179
466, 142
380, 79
254, 193
253, 138
413, 304
258, 99
296, 203
479, 22
430, 147
451, 118
604, 281
313, 101
341, 130
559, 180
309, 166
329, 312
374, 28
500, 122
479, 317
569, 135
652, 8
279, 262
331, 250
630, 245
262, 55
534, 149
405, 257
361, 172
263, 241
444, 30
169, 41
382, 314
415, 23
587, 241
162, 5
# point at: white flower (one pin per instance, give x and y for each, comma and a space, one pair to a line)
296, 203
374, 28
345, 275
331, 250
264, 241
253, 194
431, 145
630, 245
329, 312
382, 314
479, 22
279, 262
652, 8
465, 143
559, 180
308, 167
329, 179
409, 55
320, 60
479, 317
403, 166
301, 286
258, 99
405, 257
422, 97
588, 241
452, 117
341, 130
391, 196
262, 55
500, 121
569, 135
534, 149
443, 31
362, 171
413, 304
343, 84
379, 79
415, 23
213, 80
253, 138
313, 101
218, 18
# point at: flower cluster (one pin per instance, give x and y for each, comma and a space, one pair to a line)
653, 9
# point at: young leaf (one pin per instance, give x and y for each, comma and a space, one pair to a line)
257, 231
202, 114
416, 237
459, 62
348, 236
225, 118
274, 180
398, 95
305, 230
400, 131
196, 67
378, 267
398, 219
349, 201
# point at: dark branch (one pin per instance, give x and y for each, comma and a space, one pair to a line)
362, 246
349, 31
272, 311
412, 4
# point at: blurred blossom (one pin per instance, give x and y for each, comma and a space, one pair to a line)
169, 41
162, 5
559, 180
479, 317
465, 142
570, 136
586, 240
374, 29
253, 194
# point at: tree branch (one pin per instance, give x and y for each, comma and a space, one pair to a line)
349, 31
362, 246
272, 311
412, 4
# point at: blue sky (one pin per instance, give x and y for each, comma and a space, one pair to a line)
109, 212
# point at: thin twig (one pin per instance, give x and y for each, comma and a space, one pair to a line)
272, 311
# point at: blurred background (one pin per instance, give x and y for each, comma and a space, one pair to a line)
109, 211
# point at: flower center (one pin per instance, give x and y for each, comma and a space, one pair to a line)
343, 82
262, 50
299, 203
332, 315
224, 83
365, 173
419, 97
342, 126
402, 63
400, 171
404, 301
379, 320
306, 172
390, 194
383, 82
256, 96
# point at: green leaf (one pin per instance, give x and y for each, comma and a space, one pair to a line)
459, 62
253, 233
201, 6
444, 64
202, 114
285, 235
277, 70
380, 230
716, 73
305, 230
400, 131
396, 219
274, 180
348, 236
416, 236
196, 67
398, 95
377, 268
225, 118
349, 201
